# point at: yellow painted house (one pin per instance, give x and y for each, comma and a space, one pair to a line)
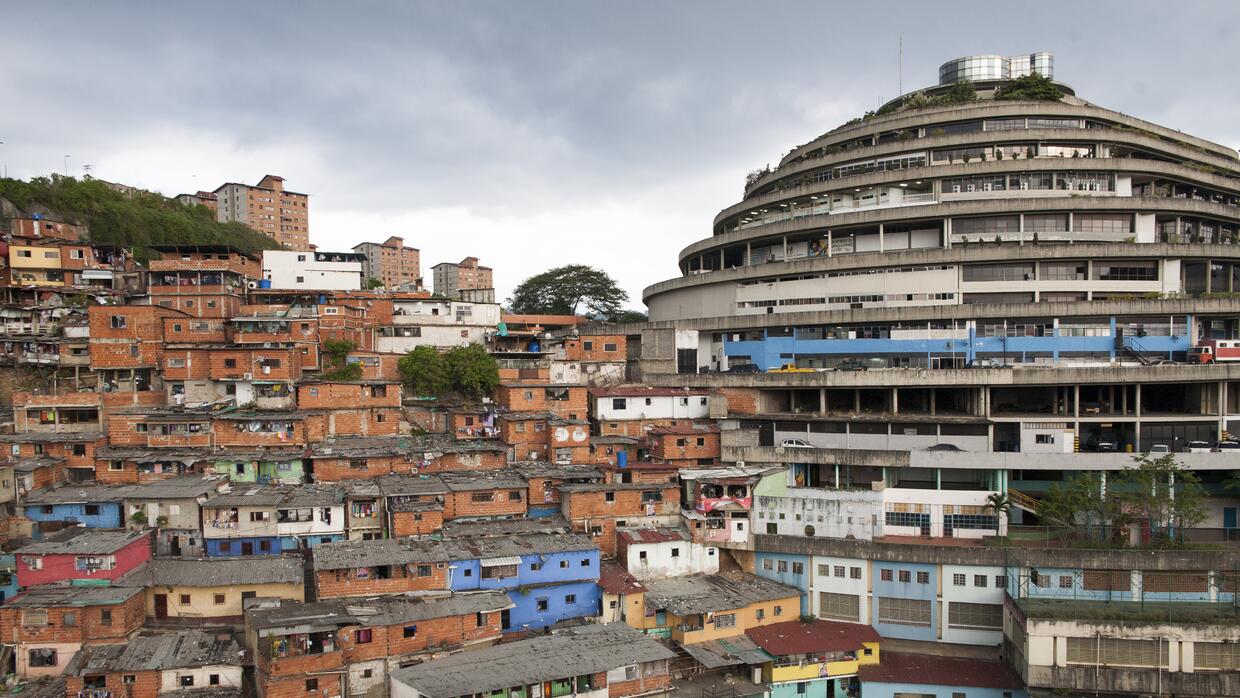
215, 587
701, 608
33, 265
820, 657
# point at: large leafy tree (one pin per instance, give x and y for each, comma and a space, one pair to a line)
1033, 86
569, 290
424, 371
472, 370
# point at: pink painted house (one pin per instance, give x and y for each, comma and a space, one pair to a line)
82, 555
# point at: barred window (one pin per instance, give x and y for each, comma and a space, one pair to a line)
1109, 651
1107, 580
1102, 222
1046, 223
986, 224
979, 580
923, 577
905, 576
977, 616
1216, 655
904, 611
958, 580
839, 570
839, 606
1162, 582
725, 620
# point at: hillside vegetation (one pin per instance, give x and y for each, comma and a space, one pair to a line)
136, 220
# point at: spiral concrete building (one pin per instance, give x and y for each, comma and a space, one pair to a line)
989, 287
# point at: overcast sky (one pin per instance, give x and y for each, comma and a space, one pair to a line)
535, 134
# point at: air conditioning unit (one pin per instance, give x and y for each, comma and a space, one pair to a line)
266, 370
971, 187
987, 186
252, 285
955, 188
1024, 186
247, 376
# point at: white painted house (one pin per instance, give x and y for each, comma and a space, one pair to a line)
438, 323
314, 271
650, 403
658, 553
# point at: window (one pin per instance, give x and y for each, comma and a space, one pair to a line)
884, 575
92, 509
1118, 653
904, 611
802, 687
958, 580
609, 346
364, 635
570, 598
854, 573
213, 679
979, 580
767, 565
260, 516
781, 566
675, 552
482, 496
312, 685
760, 614
118, 322
587, 345
1000, 581
725, 620
129, 679
185, 600
906, 576
105, 617
35, 618
779, 610
1065, 581
514, 496
619, 403
1216, 655
410, 631
301, 279
43, 657
923, 577
219, 599
977, 616
839, 606
540, 604
230, 363
585, 562
480, 619
839, 570
185, 681
798, 568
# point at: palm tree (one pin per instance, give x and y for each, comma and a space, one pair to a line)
999, 503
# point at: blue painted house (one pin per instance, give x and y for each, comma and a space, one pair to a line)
904, 600
787, 569
91, 506
8, 576
270, 519
550, 577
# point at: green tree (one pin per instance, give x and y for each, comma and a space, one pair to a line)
959, 93
135, 220
1033, 86
626, 316
1078, 508
998, 503
372, 283
471, 370
1163, 493
568, 289
425, 372
336, 366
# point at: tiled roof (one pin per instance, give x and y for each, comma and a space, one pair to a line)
652, 535
614, 579
934, 670
795, 637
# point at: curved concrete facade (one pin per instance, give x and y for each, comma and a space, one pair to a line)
960, 204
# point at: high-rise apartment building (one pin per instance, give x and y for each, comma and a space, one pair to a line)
465, 281
936, 316
391, 262
269, 208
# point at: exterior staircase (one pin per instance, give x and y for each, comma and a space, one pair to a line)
1021, 500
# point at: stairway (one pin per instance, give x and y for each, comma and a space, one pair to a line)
1023, 501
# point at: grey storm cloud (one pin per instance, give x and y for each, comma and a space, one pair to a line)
532, 134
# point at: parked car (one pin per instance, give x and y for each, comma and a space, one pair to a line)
851, 365
1227, 446
1163, 362
1198, 447
1100, 446
791, 368
945, 447
744, 368
1160, 448
794, 443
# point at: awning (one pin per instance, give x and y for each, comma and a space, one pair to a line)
500, 561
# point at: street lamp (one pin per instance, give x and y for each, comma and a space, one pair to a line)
66, 165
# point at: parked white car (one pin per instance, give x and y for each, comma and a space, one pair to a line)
1198, 447
794, 443
1160, 448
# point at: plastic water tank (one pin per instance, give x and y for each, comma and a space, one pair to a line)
264, 283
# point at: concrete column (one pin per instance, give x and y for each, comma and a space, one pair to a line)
1076, 401
822, 401
947, 233
837, 476
1137, 397
830, 244
933, 406
748, 254
857, 400
895, 401
1123, 399
881, 245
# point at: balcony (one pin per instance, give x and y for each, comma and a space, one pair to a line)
173, 440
